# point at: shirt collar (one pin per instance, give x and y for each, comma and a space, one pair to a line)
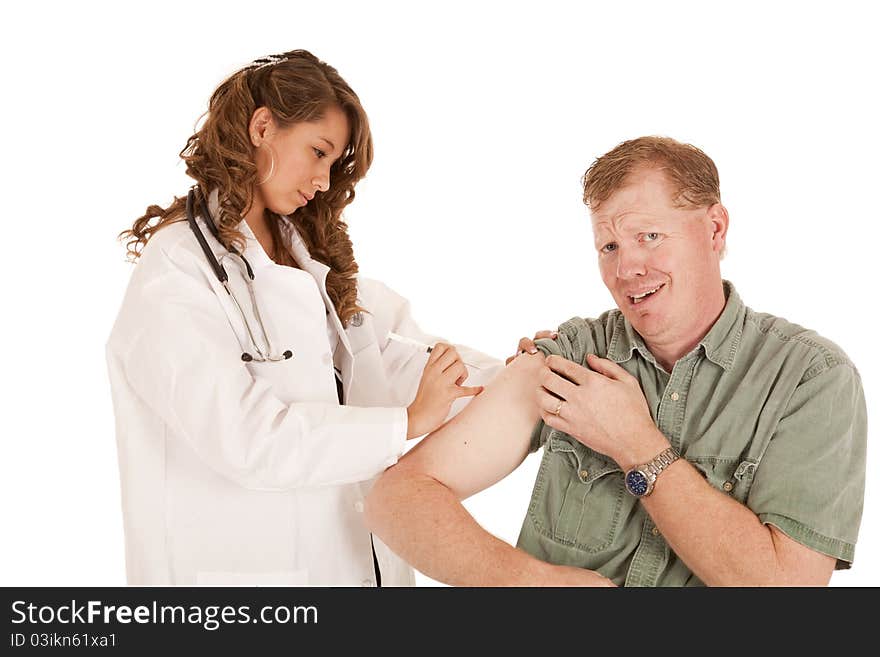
719, 344
722, 340
625, 340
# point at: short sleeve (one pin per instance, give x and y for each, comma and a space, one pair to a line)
810, 482
575, 338
541, 430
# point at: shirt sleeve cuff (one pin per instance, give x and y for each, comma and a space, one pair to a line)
834, 547
548, 347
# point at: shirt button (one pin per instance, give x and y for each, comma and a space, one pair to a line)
655, 531
674, 396
727, 486
584, 474
359, 506
367, 582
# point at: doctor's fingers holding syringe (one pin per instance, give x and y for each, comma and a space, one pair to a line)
439, 387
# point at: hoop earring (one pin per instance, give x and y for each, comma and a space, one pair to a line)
271, 166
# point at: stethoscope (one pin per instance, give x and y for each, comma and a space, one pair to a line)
223, 277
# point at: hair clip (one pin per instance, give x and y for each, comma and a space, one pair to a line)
269, 60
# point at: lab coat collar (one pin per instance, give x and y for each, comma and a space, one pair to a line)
319, 272
253, 251
300, 252
259, 258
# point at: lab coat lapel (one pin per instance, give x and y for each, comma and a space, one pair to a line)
342, 358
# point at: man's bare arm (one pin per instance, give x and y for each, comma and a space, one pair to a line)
723, 541
415, 507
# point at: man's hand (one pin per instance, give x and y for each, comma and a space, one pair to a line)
528, 346
603, 407
571, 576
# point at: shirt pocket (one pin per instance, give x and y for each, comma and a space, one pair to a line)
731, 475
579, 495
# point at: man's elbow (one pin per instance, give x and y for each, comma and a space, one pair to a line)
374, 503
802, 576
381, 503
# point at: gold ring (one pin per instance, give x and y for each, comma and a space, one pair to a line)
558, 407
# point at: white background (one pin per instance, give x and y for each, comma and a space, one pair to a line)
485, 115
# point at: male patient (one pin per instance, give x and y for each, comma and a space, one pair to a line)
687, 439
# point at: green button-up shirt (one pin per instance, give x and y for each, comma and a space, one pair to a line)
769, 412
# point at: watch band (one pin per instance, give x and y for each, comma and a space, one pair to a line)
662, 461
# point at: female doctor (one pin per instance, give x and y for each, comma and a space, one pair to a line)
258, 383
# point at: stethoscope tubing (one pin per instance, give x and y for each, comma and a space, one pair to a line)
223, 277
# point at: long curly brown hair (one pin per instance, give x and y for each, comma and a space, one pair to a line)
295, 86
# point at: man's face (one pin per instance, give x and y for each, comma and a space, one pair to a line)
660, 262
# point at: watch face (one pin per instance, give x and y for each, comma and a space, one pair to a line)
636, 483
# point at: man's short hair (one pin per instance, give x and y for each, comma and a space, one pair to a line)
690, 171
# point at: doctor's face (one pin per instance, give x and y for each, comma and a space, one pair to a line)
659, 261
302, 153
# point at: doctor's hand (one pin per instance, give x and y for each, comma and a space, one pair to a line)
602, 407
528, 346
440, 386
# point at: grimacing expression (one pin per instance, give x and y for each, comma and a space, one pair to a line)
303, 153
659, 261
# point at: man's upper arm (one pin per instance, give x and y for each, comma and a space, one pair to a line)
488, 439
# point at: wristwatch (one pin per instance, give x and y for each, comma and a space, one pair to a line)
640, 480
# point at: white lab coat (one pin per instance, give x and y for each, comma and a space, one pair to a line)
252, 473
